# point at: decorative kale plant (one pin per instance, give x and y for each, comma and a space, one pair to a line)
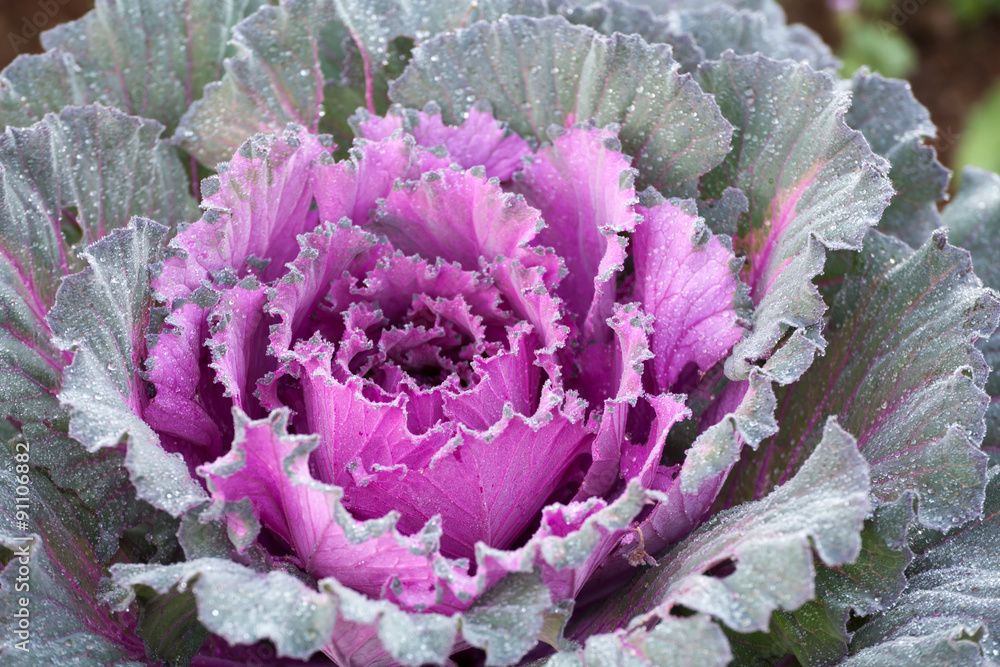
512, 331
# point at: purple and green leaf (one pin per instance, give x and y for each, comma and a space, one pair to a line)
578, 75
811, 183
902, 372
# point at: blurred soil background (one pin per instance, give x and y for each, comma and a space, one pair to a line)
22, 21
948, 49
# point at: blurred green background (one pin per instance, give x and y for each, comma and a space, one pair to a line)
948, 49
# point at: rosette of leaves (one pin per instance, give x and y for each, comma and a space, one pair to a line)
507, 332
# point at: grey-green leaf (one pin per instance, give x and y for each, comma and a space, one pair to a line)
816, 633
718, 28
241, 605
276, 80
812, 183
896, 126
64, 183
679, 642
950, 612
508, 618
313, 62
973, 220
673, 130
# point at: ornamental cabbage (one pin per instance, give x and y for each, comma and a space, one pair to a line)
495, 332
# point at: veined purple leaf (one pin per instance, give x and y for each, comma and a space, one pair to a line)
255, 209
767, 545
613, 458
697, 483
487, 486
895, 125
271, 469
973, 220
901, 371
688, 279
101, 316
950, 612
238, 340
141, 57
352, 188
578, 75
458, 215
811, 182
583, 186
480, 139
66, 624
324, 255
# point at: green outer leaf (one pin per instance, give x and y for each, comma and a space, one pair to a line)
146, 57
248, 606
954, 589
896, 125
35, 85
507, 620
244, 606
678, 642
613, 16
816, 633
812, 183
717, 28
973, 220
769, 541
170, 627
67, 625
100, 482
901, 371
101, 314
954, 648
673, 130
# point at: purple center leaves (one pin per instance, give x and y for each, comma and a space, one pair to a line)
400, 317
